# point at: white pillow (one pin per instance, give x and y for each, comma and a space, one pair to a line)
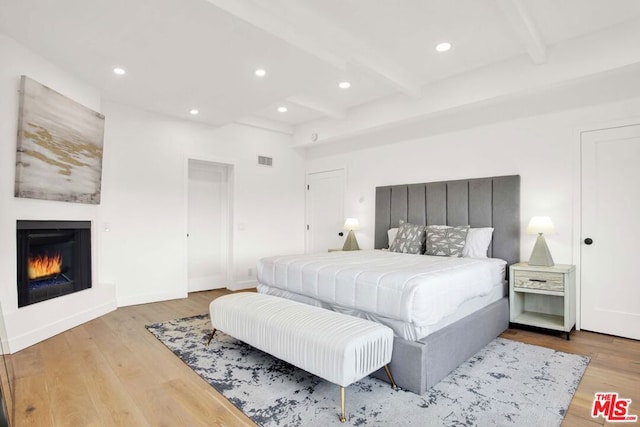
478, 241
391, 234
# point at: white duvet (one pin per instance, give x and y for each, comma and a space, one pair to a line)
418, 289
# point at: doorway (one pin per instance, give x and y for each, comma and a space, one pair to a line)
208, 225
610, 206
325, 210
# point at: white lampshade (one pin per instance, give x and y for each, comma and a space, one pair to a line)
352, 224
540, 224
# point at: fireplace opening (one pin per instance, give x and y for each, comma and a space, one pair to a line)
54, 259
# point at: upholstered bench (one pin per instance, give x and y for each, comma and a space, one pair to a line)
339, 348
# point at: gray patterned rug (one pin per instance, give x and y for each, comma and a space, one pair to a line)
505, 383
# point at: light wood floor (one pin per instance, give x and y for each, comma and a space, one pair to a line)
112, 372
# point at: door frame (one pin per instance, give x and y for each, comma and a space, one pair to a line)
307, 239
577, 199
230, 166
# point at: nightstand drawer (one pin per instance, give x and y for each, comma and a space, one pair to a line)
539, 280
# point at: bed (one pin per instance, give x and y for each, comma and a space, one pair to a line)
412, 294
439, 320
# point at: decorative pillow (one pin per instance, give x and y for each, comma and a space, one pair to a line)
446, 241
391, 234
478, 241
409, 240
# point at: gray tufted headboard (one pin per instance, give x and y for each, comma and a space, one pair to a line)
482, 202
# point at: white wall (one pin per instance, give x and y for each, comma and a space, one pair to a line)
144, 200
33, 323
543, 150
142, 258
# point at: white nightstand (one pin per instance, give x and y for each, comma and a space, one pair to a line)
544, 297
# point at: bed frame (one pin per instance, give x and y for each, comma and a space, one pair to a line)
484, 202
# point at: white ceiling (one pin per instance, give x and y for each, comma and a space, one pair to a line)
183, 54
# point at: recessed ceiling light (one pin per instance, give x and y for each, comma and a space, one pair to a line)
194, 112
119, 71
260, 72
443, 47
282, 109
344, 85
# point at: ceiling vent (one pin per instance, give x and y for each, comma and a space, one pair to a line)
265, 161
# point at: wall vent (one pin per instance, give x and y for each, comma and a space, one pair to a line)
265, 161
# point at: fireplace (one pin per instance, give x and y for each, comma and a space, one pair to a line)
54, 259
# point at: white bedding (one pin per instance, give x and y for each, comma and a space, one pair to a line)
406, 330
417, 290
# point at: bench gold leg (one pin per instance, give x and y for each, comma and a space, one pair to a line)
211, 336
342, 417
393, 383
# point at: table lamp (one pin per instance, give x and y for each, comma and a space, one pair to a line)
540, 254
350, 243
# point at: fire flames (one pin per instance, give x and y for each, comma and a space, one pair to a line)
43, 266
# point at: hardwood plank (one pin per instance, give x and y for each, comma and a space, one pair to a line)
108, 394
112, 371
32, 406
196, 405
67, 392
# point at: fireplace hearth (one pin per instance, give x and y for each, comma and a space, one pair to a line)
54, 259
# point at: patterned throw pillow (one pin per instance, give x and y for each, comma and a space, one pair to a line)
409, 240
446, 241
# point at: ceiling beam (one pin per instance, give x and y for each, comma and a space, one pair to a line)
325, 108
265, 124
522, 24
339, 50
279, 28
387, 70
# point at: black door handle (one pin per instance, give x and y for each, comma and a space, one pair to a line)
588, 241
341, 234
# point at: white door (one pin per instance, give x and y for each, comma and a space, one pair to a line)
208, 225
325, 210
610, 283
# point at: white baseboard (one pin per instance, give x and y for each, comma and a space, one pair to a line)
35, 323
46, 319
147, 298
246, 284
206, 283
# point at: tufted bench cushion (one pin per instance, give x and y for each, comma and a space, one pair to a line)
339, 348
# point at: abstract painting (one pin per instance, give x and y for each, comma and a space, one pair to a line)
59, 154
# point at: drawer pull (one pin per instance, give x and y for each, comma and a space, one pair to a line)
538, 280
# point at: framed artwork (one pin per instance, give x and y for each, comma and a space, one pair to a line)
59, 153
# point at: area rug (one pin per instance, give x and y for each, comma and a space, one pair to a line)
505, 383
